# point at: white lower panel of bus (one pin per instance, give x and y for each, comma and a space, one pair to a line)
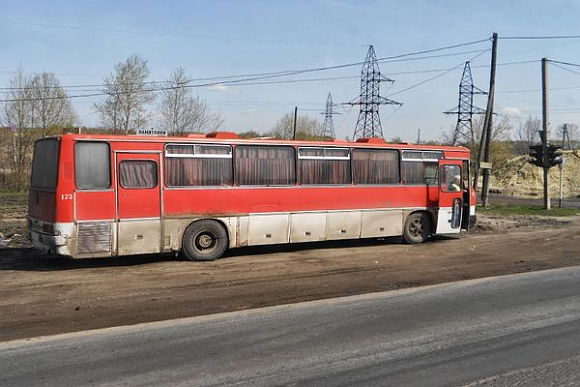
444, 217
139, 236
376, 224
262, 229
143, 236
343, 225
267, 229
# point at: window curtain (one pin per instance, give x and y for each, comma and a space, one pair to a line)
138, 174
414, 172
374, 166
320, 171
265, 165
187, 172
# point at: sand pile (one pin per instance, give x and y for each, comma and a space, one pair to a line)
520, 178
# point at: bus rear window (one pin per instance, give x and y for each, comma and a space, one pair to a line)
45, 164
92, 165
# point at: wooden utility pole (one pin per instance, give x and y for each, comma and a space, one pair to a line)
561, 166
295, 118
545, 134
488, 127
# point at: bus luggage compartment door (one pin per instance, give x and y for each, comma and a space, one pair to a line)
138, 203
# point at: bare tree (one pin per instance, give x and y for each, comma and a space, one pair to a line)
501, 145
52, 109
573, 136
307, 128
17, 144
35, 107
181, 113
125, 107
527, 134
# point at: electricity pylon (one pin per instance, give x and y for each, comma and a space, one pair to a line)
465, 110
328, 121
369, 100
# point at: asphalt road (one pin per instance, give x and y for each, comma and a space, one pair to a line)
517, 330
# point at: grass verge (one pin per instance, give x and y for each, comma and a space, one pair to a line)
509, 209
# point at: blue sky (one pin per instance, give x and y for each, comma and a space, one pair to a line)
81, 41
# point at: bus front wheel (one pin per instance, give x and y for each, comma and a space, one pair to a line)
417, 228
205, 240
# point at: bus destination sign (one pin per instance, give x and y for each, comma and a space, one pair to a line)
151, 132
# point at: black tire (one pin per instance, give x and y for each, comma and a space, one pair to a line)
417, 228
205, 240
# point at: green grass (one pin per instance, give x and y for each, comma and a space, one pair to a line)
527, 210
12, 194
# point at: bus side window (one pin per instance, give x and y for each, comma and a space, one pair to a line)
92, 165
135, 174
375, 166
198, 165
431, 174
265, 165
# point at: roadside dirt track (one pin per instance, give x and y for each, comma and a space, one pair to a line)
43, 295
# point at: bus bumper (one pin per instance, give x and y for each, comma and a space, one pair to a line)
52, 244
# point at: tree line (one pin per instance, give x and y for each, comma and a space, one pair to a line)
37, 105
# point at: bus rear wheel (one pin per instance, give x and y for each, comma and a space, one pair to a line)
417, 228
205, 240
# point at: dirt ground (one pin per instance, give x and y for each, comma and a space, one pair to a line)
44, 295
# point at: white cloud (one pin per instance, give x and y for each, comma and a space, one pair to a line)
511, 112
223, 89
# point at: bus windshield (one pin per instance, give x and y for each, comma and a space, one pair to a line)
45, 164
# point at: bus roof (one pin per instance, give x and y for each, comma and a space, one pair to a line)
232, 138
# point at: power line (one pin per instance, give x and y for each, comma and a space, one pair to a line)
564, 68
165, 34
221, 83
249, 83
436, 76
273, 74
257, 77
564, 63
435, 49
539, 37
536, 90
563, 110
515, 63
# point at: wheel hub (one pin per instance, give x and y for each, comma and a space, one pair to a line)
205, 241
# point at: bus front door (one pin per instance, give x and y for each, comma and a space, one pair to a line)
450, 197
138, 203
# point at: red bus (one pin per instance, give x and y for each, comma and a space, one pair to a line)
106, 195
